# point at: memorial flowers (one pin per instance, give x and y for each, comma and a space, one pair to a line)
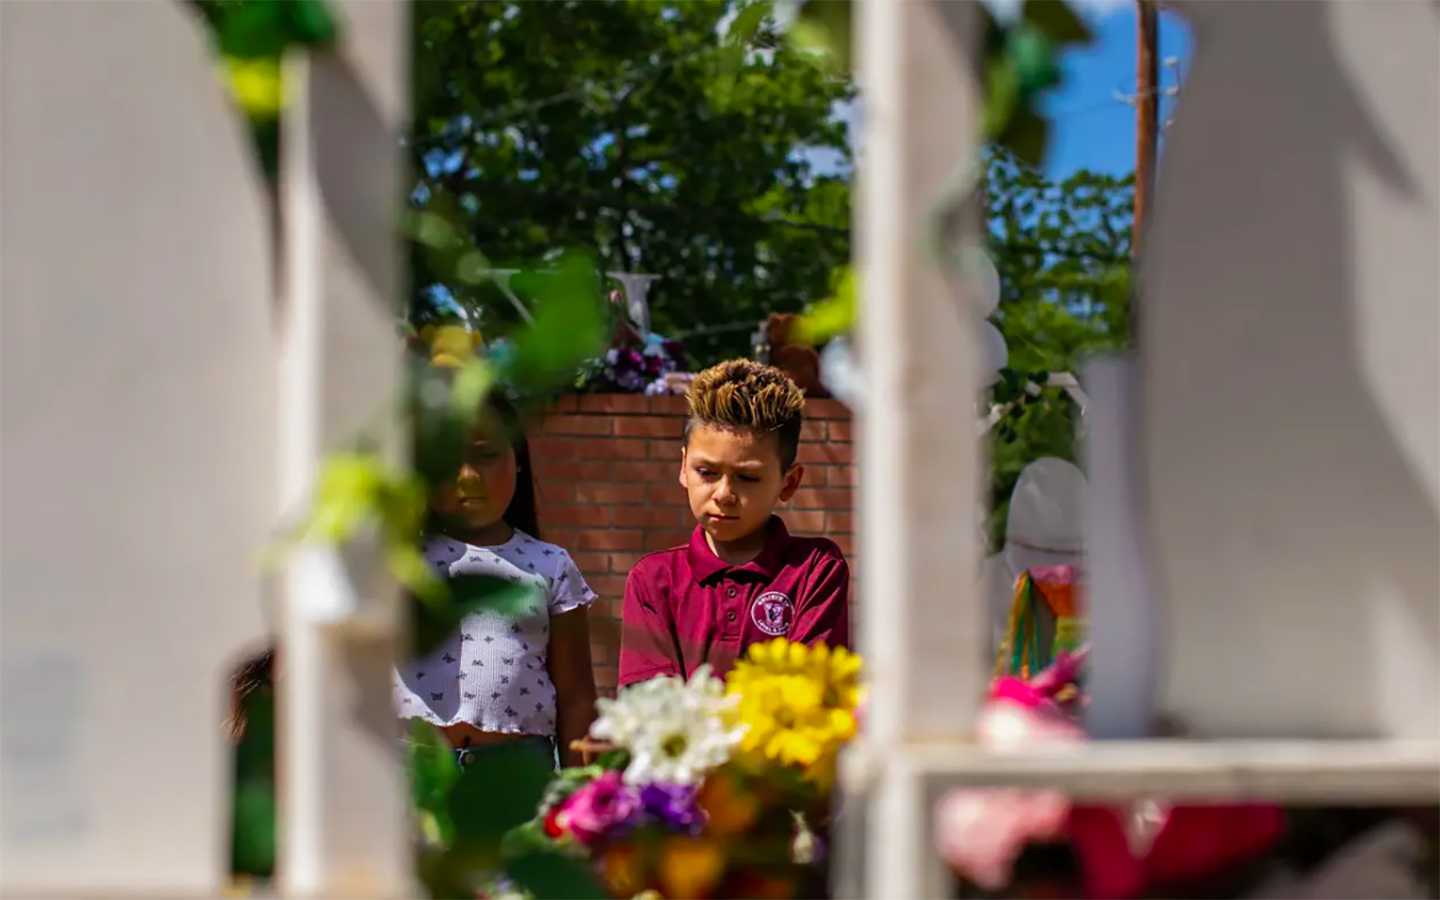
710, 788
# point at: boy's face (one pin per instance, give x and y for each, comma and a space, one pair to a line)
734, 480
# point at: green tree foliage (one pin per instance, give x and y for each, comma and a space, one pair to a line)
637, 132
1063, 253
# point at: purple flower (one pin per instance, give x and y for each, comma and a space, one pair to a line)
598, 810
672, 805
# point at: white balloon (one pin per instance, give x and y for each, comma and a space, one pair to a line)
983, 280
840, 373
993, 353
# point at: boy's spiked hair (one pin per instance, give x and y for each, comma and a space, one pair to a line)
744, 395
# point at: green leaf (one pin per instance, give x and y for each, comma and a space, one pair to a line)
823, 27
555, 876
312, 23
1027, 137
747, 23
830, 317
616, 759
1002, 96
1036, 60
1057, 21
434, 772
569, 324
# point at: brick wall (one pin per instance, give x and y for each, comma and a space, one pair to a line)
606, 468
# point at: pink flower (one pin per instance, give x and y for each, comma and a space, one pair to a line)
981, 833
598, 810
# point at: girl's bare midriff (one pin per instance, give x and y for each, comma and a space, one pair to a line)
463, 735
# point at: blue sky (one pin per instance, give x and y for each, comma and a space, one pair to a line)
1092, 125
1092, 128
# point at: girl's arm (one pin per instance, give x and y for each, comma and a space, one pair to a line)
569, 663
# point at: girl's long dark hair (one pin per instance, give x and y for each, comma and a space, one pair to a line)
523, 512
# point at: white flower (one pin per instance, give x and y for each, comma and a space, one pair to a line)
675, 730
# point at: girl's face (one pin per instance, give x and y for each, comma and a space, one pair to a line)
483, 488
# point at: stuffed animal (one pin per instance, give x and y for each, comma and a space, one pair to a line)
800, 361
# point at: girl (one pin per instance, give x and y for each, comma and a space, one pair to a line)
514, 676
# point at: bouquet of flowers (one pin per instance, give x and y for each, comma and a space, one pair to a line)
637, 369
712, 789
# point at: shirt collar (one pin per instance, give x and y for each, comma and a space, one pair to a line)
704, 564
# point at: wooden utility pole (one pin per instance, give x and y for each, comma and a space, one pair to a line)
1147, 115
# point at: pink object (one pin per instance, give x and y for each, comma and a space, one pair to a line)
596, 809
1052, 575
981, 832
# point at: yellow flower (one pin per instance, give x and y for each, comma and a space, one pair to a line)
798, 703
256, 84
690, 867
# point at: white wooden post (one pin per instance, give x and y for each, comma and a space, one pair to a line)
137, 447
344, 807
922, 627
1291, 487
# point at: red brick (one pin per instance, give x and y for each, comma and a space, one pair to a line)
607, 493
648, 472
807, 522
649, 426
811, 454
567, 403
665, 449
668, 517
579, 516
622, 563
560, 535
826, 409
603, 654
823, 498
812, 431
610, 586
590, 564
840, 522
609, 539
814, 476
554, 493
664, 540
615, 448
667, 406
841, 476
614, 403
570, 424
552, 448
547, 471
670, 493
842, 431
846, 543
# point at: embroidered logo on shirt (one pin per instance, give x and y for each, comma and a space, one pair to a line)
773, 613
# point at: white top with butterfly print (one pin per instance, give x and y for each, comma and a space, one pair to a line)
491, 673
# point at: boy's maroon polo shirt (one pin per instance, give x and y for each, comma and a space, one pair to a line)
685, 607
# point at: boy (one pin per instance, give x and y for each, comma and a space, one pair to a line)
743, 578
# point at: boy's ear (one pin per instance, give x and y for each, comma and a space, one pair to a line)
792, 482
683, 481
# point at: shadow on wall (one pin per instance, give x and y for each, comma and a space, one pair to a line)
1294, 511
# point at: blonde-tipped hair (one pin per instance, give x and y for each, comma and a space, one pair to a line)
744, 395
